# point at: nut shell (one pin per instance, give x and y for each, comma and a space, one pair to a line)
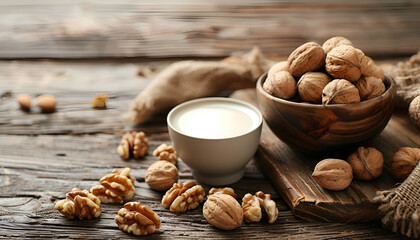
414, 111
161, 175
333, 174
344, 62
24, 101
47, 103
370, 87
340, 91
280, 84
310, 86
308, 57
367, 163
370, 69
335, 42
223, 211
404, 161
278, 67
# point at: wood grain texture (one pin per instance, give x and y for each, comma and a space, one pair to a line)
289, 170
129, 28
49, 155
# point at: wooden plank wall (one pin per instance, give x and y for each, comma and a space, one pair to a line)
199, 28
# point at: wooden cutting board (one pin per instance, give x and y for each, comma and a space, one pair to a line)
289, 170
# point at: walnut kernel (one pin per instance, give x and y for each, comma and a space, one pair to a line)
280, 84
268, 206
251, 208
414, 111
47, 103
308, 57
225, 190
135, 143
223, 211
115, 187
80, 204
24, 101
333, 174
344, 62
366, 163
99, 101
141, 145
183, 196
340, 91
161, 175
310, 86
370, 87
404, 161
167, 153
137, 219
335, 42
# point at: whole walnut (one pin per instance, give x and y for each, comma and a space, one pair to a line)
370, 87
344, 62
404, 161
161, 175
223, 211
414, 111
335, 42
310, 86
308, 57
340, 91
367, 163
370, 69
333, 174
280, 84
278, 67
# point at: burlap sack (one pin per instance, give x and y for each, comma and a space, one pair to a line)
401, 206
186, 80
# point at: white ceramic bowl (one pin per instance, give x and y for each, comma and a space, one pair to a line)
215, 158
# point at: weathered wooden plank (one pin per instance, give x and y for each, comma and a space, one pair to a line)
129, 28
289, 170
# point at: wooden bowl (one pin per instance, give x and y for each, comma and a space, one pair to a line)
315, 127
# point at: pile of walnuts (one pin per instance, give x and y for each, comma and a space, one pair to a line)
334, 73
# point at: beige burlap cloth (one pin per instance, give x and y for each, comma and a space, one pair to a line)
401, 206
186, 80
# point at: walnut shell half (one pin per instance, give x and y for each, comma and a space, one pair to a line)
308, 57
340, 91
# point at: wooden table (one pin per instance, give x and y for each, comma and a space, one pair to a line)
44, 156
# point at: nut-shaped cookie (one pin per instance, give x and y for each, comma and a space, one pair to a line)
414, 111
308, 57
367, 163
370, 87
161, 175
223, 211
310, 86
344, 62
340, 91
333, 174
404, 161
335, 42
370, 69
281, 85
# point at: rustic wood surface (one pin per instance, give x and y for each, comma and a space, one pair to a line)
43, 156
130, 28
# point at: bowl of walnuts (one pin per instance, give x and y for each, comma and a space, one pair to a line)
324, 97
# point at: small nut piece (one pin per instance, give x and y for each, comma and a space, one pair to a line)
135, 143
183, 196
335, 42
340, 91
251, 208
99, 101
310, 86
226, 190
308, 57
115, 187
414, 111
370, 87
370, 69
344, 62
167, 153
280, 84
404, 161
268, 206
367, 163
223, 211
333, 174
47, 103
161, 175
278, 67
80, 204
137, 219
24, 101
